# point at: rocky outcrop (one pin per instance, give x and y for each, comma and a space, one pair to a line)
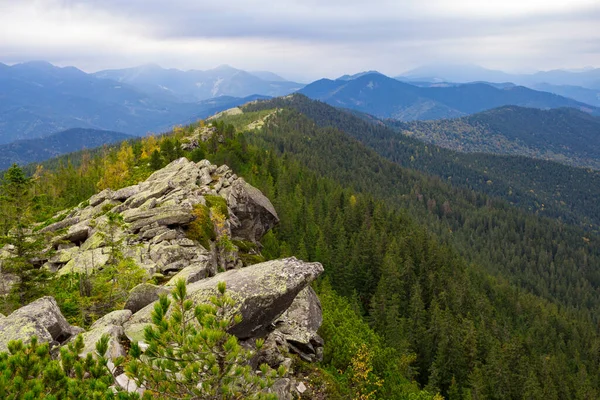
157, 214
174, 225
42, 318
262, 292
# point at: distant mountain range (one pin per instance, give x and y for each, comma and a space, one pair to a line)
35, 150
385, 97
583, 86
194, 85
38, 99
565, 135
587, 78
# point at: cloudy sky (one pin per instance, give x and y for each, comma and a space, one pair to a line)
303, 39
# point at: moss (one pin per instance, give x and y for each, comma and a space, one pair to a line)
251, 259
201, 229
218, 203
245, 246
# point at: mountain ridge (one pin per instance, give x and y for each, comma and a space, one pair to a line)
386, 97
564, 135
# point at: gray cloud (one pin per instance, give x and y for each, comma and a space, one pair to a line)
303, 38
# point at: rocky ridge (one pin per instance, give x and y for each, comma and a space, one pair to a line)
189, 220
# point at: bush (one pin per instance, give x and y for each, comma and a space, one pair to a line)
30, 372
201, 229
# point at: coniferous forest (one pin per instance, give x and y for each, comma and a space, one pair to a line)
453, 288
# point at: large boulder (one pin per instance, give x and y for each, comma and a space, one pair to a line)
299, 325
142, 295
41, 318
262, 292
254, 213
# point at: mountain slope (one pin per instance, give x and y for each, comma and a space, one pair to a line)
585, 95
473, 297
541, 187
385, 97
38, 99
565, 135
195, 85
40, 149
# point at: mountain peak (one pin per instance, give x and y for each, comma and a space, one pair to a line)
225, 67
358, 75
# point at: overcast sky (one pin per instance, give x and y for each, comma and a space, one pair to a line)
303, 39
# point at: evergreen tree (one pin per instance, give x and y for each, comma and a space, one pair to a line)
21, 242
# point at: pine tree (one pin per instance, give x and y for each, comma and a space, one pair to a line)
23, 244
191, 355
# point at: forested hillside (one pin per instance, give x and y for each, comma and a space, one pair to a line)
542, 187
35, 150
564, 135
462, 293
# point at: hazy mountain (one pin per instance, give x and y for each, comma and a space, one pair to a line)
268, 76
455, 73
40, 149
358, 75
587, 78
385, 97
197, 85
38, 99
585, 95
565, 135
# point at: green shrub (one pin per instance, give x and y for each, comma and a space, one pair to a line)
191, 355
218, 203
201, 229
30, 372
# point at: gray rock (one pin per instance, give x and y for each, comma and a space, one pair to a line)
76, 233
42, 318
93, 336
270, 353
126, 192
96, 199
142, 295
204, 177
152, 192
86, 262
7, 281
64, 256
300, 322
165, 255
254, 212
301, 388
282, 387
65, 223
168, 234
127, 384
165, 218
262, 292
192, 273
118, 317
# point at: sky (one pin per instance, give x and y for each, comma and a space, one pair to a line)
303, 39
